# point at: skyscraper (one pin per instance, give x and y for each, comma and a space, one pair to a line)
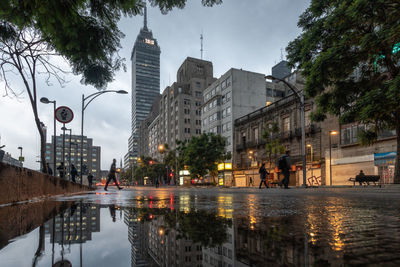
145, 83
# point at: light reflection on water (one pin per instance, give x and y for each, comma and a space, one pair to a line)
166, 228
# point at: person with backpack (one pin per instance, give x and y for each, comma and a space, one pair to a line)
263, 176
284, 165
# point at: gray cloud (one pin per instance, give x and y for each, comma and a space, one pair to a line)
240, 34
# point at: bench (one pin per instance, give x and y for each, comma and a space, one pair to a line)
365, 179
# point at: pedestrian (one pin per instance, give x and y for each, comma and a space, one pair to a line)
251, 183
49, 170
73, 173
61, 170
284, 165
111, 175
90, 179
157, 183
263, 176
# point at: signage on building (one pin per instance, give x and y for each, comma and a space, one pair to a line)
224, 166
64, 114
385, 159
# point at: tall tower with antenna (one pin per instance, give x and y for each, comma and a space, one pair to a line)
145, 60
201, 46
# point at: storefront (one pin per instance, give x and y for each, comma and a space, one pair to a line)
225, 177
385, 163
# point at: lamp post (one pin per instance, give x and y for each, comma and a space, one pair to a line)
20, 155
311, 159
330, 154
69, 154
300, 96
90, 98
45, 100
251, 157
162, 150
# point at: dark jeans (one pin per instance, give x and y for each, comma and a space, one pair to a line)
265, 182
73, 178
111, 177
285, 180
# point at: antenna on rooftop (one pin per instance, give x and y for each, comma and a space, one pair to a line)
281, 54
201, 45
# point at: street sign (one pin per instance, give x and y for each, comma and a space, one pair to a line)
64, 114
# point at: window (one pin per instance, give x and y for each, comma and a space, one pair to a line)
198, 93
286, 124
307, 119
197, 84
223, 85
186, 102
228, 111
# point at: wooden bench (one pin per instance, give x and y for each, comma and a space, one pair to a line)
365, 179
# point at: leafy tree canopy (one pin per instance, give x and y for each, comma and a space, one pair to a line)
203, 152
349, 54
85, 32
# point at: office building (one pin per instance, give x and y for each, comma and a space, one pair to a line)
72, 153
235, 94
180, 105
145, 59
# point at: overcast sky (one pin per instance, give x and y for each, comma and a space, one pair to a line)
240, 34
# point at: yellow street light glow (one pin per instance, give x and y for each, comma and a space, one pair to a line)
333, 132
308, 145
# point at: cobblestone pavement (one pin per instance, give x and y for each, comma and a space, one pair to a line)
243, 227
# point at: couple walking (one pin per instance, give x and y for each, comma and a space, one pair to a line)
283, 165
111, 175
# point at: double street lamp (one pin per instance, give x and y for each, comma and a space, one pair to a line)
89, 99
330, 154
300, 97
45, 100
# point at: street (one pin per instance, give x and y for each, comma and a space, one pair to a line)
246, 227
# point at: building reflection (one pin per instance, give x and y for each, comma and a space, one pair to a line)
74, 225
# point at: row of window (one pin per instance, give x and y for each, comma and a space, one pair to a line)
220, 87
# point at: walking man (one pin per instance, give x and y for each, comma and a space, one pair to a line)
263, 176
251, 182
111, 175
284, 165
73, 173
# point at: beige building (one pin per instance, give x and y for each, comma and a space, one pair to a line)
180, 104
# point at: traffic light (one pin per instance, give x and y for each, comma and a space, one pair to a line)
171, 174
151, 162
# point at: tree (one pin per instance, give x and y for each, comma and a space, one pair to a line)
273, 145
349, 53
83, 32
202, 153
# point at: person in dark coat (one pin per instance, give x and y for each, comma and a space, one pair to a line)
49, 170
284, 165
90, 179
263, 176
73, 173
111, 175
61, 170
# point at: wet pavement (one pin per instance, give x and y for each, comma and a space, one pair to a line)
206, 227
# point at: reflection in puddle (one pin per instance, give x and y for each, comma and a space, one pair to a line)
164, 229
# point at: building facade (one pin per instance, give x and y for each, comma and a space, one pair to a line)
144, 128
180, 104
284, 116
145, 84
72, 154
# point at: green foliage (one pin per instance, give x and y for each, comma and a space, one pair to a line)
202, 153
348, 54
148, 167
273, 147
201, 226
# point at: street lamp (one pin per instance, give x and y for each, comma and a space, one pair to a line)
162, 150
69, 154
45, 100
90, 98
330, 153
300, 96
251, 157
311, 159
